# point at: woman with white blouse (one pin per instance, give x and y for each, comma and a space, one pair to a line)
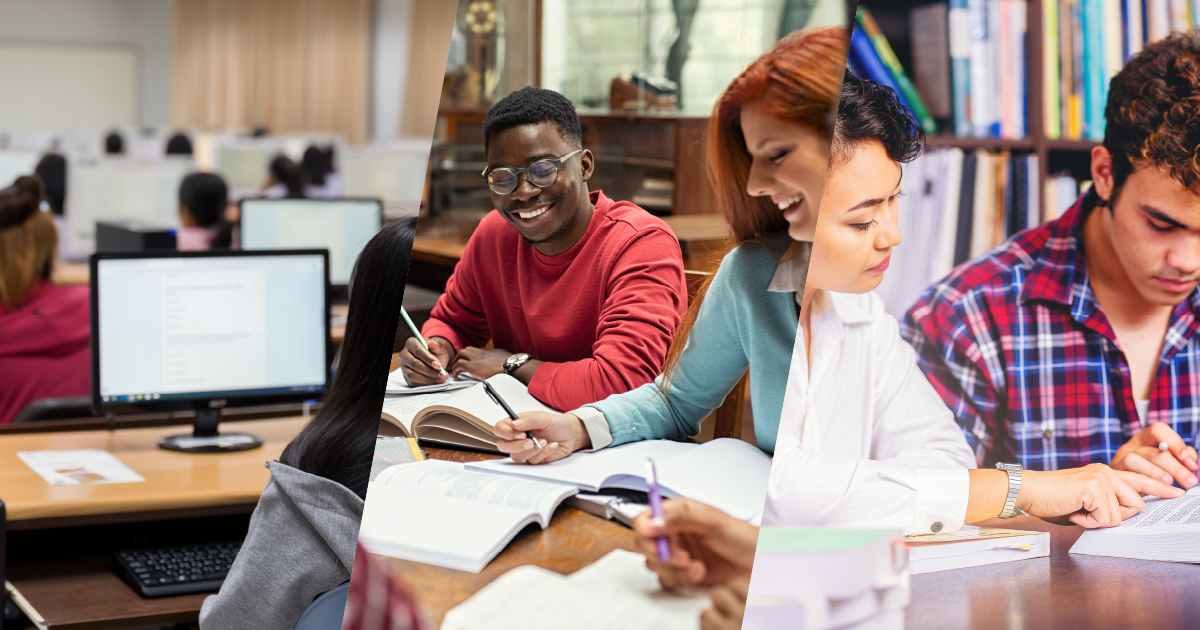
864, 440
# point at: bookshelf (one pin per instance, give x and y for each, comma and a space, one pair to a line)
1054, 155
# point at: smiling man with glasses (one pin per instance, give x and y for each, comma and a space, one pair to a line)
579, 294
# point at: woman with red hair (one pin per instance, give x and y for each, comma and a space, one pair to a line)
768, 147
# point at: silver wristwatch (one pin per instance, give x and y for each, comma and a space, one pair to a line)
515, 361
1014, 488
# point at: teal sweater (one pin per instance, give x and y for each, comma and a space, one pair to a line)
740, 323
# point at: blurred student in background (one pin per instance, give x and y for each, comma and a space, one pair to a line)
114, 144
44, 350
303, 533
321, 179
202, 201
285, 180
179, 144
52, 170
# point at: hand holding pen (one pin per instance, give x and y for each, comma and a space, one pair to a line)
495, 396
420, 340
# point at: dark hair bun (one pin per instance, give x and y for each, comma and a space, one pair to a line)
19, 201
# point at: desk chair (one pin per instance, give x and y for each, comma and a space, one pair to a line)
326, 611
729, 414
56, 409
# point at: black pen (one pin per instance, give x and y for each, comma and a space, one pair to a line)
495, 396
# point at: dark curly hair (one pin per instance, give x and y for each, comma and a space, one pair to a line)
530, 106
1153, 111
870, 111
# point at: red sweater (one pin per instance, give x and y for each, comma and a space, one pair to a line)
601, 315
44, 350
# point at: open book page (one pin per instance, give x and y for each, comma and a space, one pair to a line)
725, 473
1166, 529
438, 513
591, 471
728, 474
475, 401
397, 384
617, 591
403, 409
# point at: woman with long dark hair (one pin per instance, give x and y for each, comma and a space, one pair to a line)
303, 533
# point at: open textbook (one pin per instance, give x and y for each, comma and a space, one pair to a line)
464, 417
616, 591
1166, 529
460, 516
725, 473
438, 513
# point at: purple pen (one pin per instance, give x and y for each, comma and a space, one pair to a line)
664, 548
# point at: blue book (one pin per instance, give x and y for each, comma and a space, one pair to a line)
960, 66
868, 65
1094, 73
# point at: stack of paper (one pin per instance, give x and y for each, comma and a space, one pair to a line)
617, 591
827, 579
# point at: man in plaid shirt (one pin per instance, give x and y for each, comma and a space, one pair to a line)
1077, 341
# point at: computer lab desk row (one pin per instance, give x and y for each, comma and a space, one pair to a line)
59, 539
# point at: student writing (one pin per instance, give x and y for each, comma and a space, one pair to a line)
578, 293
768, 150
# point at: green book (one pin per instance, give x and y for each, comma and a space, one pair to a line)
884, 50
832, 563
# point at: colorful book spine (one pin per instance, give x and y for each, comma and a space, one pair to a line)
1077, 111
960, 65
1053, 112
1020, 79
1095, 75
888, 57
982, 90
866, 62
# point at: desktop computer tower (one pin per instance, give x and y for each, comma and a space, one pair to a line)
132, 236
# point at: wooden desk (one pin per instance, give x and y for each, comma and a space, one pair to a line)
1062, 591
573, 540
84, 592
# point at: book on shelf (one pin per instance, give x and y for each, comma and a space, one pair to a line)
959, 23
459, 418
887, 57
958, 205
932, 59
867, 64
1095, 38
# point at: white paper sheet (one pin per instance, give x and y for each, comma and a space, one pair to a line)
81, 467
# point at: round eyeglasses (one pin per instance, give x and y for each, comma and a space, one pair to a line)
541, 173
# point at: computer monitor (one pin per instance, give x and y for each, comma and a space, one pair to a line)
208, 330
343, 226
14, 164
121, 189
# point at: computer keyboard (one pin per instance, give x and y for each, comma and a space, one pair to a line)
177, 570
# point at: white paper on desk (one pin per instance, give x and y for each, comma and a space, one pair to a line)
397, 384
1166, 530
80, 467
617, 591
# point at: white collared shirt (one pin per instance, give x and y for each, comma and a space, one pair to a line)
864, 440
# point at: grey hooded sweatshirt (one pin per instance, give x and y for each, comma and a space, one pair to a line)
300, 544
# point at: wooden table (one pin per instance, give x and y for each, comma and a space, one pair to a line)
83, 592
1061, 591
573, 540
